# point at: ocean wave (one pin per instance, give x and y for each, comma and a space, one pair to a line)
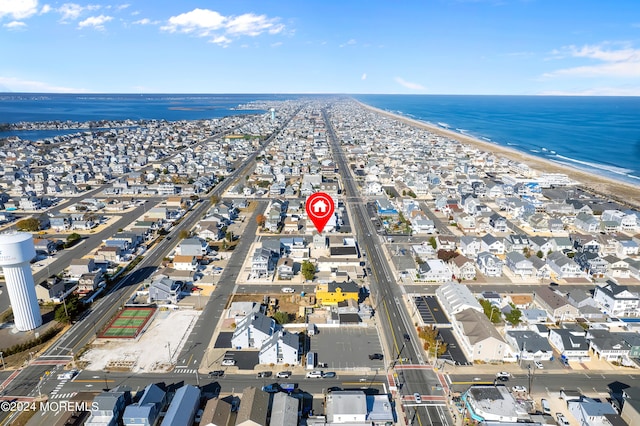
534, 150
633, 176
612, 169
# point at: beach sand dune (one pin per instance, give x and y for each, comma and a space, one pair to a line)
621, 192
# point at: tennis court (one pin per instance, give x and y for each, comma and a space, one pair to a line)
129, 323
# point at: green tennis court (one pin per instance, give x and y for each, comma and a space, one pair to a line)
128, 322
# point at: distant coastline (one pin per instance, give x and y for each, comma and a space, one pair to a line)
602, 185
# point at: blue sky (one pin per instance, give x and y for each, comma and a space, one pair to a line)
519, 47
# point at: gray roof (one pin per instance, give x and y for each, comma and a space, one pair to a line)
253, 407
284, 410
476, 326
183, 406
530, 341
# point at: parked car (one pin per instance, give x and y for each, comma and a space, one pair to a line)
228, 362
518, 388
216, 373
503, 376
315, 374
288, 290
376, 356
545, 406
418, 398
265, 374
272, 388
539, 365
283, 374
407, 338
562, 420
329, 375
334, 388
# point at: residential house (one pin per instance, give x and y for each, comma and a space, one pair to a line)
455, 298
590, 412
478, 338
529, 345
587, 222
107, 407
516, 242
147, 409
608, 346
592, 264
285, 268
253, 331
284, 410
498, 223
491, 244
519, 265
281, 348
462, 268
332, 293
489, 264
571, 343
433, 270
263, 263
166, 290
469, 246
557, 305
616, 300
77, 267
562, 266
192, 247
253, 408
185, 263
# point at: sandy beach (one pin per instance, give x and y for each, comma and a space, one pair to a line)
609, 188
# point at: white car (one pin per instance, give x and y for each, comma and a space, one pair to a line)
503, 375
562, 420
228, 362
283, 374
418, 398
539, 365
518, 389
288, 290
316, 374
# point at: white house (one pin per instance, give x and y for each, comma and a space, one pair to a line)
478, 338
253, 331
616, 300
489, 264
281, 348
434, 270
572, 345
454, 298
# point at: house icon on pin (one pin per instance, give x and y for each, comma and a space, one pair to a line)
320, 206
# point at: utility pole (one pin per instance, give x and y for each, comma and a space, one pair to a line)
2, 359
169, 347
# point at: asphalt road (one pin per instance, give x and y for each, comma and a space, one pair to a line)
391, 314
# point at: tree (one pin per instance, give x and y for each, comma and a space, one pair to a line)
261, 219
229, 236
30, 225
214, 199
72, 238
308, 270
540, 254
513, 317
446, 255
183, 234
433, 242
491, 311
432, 344
281, 317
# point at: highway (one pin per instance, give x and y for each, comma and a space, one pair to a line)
393, 318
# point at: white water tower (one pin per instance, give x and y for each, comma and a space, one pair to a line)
273, 114
16, 252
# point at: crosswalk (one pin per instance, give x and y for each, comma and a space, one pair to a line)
67, 395
186, 370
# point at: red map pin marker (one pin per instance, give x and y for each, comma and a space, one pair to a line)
320, 208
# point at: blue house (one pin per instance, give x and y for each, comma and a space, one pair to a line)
147, 410
385, 208
183, 408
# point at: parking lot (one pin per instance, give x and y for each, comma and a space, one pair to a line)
454, 352
430, 310
245, 360
347, 347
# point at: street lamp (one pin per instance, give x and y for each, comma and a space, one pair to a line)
2, 359
169, 348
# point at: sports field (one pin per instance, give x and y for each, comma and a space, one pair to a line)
129, 323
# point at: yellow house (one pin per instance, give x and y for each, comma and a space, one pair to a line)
334, 293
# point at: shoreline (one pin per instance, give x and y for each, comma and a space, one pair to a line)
622, 192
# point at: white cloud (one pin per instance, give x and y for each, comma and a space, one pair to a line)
97, 22
19, 85
612, 62
45, 9
252, 25
70, 11
18, 9
145, 21
408, 84
221, 40
364, 76
205, 23
276, 44
201, 20
350, 42
15, 25
122, 6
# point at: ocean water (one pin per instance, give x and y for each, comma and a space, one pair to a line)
597, 134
